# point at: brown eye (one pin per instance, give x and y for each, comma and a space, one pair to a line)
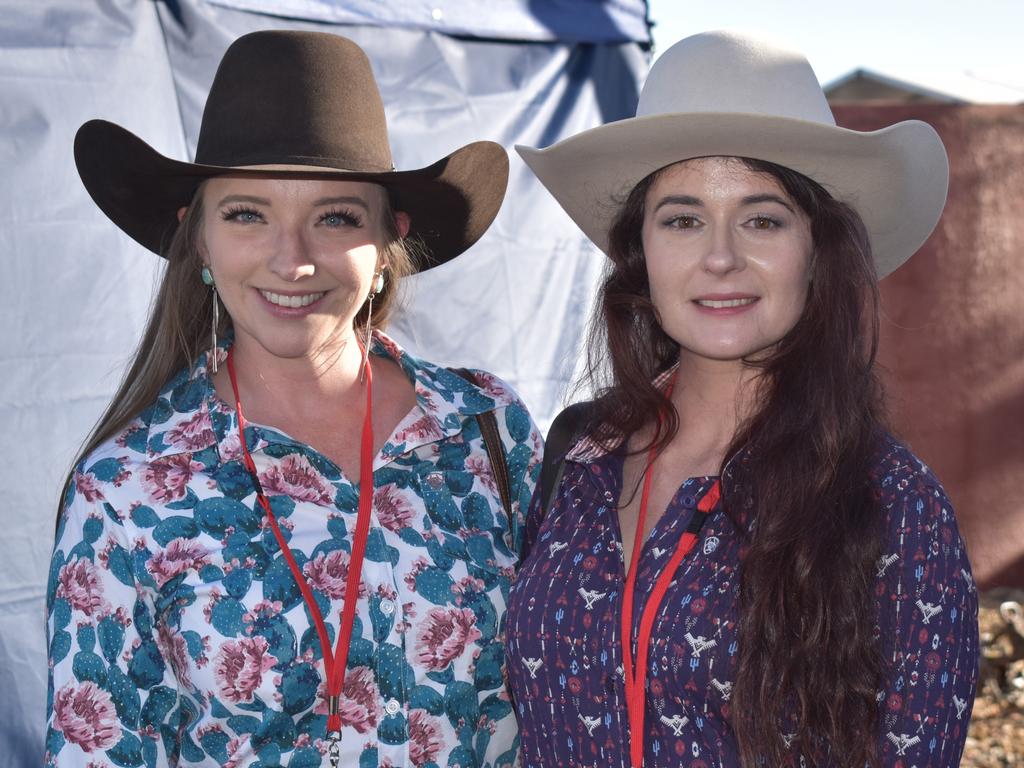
683, 222
764, 222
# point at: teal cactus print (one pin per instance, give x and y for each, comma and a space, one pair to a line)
177, 633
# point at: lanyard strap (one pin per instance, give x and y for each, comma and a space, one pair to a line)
334, 664
636, 672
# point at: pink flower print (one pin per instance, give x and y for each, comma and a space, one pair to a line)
468, 584
230, 448
239, 667
166, 479
192, 435
423, 428
79, 583
294, 476
86, 716
445, 634
128, 434
235, 751
87, 486
480, 467
424, 737
393, 511
178, 556
174, 648
491, 385
360, 700
389, 346
329, 572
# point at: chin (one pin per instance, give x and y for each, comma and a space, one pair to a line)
727, 351
288, 347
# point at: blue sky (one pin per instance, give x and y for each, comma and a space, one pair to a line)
973, 49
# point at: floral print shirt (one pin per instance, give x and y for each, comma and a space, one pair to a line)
565, 650
178, 636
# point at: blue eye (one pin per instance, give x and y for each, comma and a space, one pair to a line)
341, 219
242, 215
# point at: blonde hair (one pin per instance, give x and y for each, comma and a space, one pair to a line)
178, 329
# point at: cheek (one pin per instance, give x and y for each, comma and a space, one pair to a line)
794, 283
662, 261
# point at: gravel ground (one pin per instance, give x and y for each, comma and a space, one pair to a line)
996, 736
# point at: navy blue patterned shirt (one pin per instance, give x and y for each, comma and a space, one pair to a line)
564, 649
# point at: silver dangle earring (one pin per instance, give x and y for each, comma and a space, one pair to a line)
207, 277
375, 289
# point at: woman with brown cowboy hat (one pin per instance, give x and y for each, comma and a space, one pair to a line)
288, 541
740, 565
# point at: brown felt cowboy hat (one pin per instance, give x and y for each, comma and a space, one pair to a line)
295, 104
728, 93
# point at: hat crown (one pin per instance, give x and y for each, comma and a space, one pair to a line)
731, 72
289, 97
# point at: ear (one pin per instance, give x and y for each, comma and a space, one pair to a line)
181, 213
402, 223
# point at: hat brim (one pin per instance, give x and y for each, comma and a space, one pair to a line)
895, 178
450, 203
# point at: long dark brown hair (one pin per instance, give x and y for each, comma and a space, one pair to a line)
806, 613
178, 329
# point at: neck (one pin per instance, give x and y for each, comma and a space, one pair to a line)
272, 385
712, 399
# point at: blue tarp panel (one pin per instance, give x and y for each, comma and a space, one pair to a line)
565, 21
77, 290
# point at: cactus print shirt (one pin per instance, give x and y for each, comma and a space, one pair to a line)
178, 636
564, 644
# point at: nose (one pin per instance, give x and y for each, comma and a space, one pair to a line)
722, 256
292, 259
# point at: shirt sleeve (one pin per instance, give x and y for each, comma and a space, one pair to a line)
524, 447
111, 695
928, 622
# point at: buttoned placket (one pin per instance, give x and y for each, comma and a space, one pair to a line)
377, 576
605, 486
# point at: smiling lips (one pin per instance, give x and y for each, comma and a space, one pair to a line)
725, 304
292, 302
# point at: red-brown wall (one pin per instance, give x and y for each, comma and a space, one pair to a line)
952, 347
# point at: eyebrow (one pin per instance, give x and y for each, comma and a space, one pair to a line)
350, 200
698, 203
243, 199
316, 203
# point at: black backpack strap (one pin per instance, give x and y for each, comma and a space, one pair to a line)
565, 430
488, 424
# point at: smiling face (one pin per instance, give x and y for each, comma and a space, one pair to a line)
728, 258
293, 259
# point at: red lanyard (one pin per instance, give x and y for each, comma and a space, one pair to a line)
334, 664
636, 676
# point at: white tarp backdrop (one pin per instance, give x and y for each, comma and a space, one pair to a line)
76, 290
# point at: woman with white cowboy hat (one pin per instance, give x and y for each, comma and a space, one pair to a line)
740, 565
288, 541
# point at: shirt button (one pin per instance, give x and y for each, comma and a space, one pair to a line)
392, 707
688, 501
435, 480
387, 607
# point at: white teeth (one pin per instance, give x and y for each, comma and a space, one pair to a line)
291, 301
725, 303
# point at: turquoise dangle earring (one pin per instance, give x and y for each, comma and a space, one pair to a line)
375, 289
207, 277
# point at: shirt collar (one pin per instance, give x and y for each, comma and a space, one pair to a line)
587, 449
189, 417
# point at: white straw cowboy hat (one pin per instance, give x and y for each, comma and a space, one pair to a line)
729, 94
